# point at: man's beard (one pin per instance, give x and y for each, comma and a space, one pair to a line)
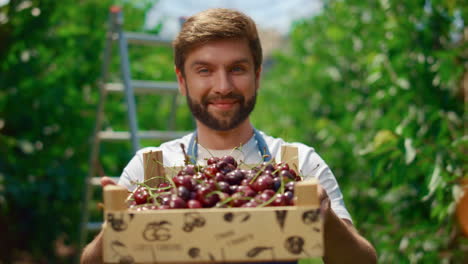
200, 110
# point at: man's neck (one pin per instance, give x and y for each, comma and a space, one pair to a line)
221, 140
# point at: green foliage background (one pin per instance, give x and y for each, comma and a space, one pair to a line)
374, 86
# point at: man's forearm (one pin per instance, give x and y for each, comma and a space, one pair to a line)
92, 254
344, 245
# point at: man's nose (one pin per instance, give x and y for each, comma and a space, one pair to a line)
223, 84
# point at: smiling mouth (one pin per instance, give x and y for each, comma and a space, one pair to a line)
223, 104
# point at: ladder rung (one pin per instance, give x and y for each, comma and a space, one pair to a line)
96, 181
144, 87
146, 39
94, 226
125, 135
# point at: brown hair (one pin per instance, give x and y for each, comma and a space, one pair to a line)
216, 24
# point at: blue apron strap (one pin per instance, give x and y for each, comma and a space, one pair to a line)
262, 146
192, 150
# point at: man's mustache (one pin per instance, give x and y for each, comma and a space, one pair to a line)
214, 97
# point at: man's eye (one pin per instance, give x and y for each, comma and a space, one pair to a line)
203, 70
237, 69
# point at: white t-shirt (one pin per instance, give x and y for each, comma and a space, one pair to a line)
310, 164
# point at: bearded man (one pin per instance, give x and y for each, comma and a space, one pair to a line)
218, 62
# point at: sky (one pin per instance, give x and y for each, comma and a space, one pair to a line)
268, 14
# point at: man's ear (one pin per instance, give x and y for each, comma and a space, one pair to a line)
180, 81
258, 74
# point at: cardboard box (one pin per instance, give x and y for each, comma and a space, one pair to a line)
212, 235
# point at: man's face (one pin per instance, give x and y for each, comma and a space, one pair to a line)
220, 83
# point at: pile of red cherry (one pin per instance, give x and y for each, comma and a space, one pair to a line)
220, 184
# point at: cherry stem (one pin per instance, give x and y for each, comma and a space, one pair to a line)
230, 198
260, 172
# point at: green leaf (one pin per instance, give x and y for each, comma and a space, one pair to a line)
410, 151
436, 179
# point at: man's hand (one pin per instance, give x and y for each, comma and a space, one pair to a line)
106, 181
324, 201
343, 244
92, 253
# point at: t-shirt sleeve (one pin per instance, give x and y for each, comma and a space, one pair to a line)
132, 173
312, 165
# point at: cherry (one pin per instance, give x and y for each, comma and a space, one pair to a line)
286, 175
210, 200
246, 191
211, 183
290, 186
177, 202
220, 177
282, 166
268, 173
224, 187
212, 160
262, 183
193, 195
235, 177
293, 172
268, 166
280, 200
183, 193
289, 196
233, 188
249, 175
225, 167
185, 181
189, 169
238, 199
265, 196
141, 195
194, 204
206, 197
245, 182
211, 170
230, 160
269, 192
200, 176
165, 200
276, 183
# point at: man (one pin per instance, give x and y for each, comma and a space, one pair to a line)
218, 60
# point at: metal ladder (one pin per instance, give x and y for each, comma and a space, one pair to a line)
129, 87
